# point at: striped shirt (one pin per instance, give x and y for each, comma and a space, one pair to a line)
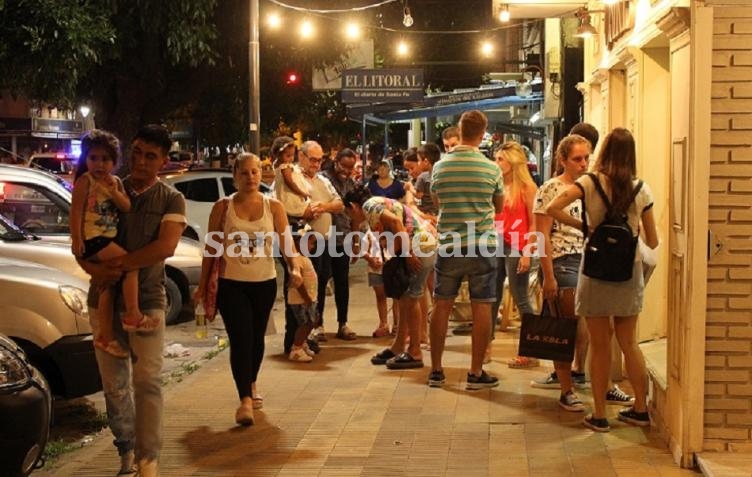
466, 183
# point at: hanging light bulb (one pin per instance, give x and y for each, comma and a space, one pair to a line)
486, 49
407, 19
352, 31
274, 20
402, 48
306, 29
504, 15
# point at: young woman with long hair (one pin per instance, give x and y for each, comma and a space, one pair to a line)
598, 300
514, 226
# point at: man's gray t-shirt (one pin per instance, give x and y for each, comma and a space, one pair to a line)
140, 227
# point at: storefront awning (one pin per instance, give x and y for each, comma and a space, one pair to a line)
445, 104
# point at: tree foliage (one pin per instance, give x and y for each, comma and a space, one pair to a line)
122, 55
138, 61
48, 46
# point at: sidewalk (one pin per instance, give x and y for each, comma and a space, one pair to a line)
342, 416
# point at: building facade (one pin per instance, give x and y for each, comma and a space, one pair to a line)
678, 74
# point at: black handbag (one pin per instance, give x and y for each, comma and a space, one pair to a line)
550, 334
396, 277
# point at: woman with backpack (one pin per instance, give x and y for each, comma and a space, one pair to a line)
617, 206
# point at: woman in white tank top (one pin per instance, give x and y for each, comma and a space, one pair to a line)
247, 276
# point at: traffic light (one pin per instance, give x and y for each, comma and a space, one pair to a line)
293, 78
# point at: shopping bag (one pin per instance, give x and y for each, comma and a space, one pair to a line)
212, 285
551, 334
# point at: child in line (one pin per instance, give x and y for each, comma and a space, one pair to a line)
428, 155
98, 197
375, 261
302, 301
290, 186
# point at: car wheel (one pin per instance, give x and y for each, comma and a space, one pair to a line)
174, 301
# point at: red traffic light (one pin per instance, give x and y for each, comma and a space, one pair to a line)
292, 78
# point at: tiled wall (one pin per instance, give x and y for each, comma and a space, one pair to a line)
728, 388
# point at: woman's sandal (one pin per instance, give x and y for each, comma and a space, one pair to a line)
258, 401
112, 348
144, 324
520, 362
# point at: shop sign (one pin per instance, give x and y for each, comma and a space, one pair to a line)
382, 85
619, 21
56, 128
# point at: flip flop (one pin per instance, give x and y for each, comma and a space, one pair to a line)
404, 361
521, 362
382, 357
464, 329
112, 348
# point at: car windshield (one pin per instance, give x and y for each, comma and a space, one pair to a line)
55, 165
10, 232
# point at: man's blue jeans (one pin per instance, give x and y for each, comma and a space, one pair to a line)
133, 388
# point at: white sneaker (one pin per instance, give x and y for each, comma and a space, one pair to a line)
307, 350
299, 356
317, 334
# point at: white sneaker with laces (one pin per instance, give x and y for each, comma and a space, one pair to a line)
616, 396
317, 334
298, 355
571, 402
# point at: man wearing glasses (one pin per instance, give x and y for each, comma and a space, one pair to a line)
325, 201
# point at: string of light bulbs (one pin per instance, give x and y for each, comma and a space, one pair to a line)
323, 12
335, 10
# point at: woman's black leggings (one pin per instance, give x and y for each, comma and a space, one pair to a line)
245, 309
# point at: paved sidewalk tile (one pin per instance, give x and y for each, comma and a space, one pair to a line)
341, 416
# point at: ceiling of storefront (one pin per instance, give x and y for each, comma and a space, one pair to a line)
537, 8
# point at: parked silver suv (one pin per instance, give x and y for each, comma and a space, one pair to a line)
39, 202
44, 311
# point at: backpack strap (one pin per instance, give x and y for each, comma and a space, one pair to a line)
601, 192
636, 191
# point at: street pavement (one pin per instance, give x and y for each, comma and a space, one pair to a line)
342, 416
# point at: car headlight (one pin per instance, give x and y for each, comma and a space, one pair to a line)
14, 372
74, 298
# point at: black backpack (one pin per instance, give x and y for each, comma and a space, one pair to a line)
610, 249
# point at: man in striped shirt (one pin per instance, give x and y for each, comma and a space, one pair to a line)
468, 189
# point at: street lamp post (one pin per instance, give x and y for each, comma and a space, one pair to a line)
254, 116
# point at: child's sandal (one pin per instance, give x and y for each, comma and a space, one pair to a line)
145, 323
112, 348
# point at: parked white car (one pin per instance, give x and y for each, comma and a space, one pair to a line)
59, 163
201, 188
39, 202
